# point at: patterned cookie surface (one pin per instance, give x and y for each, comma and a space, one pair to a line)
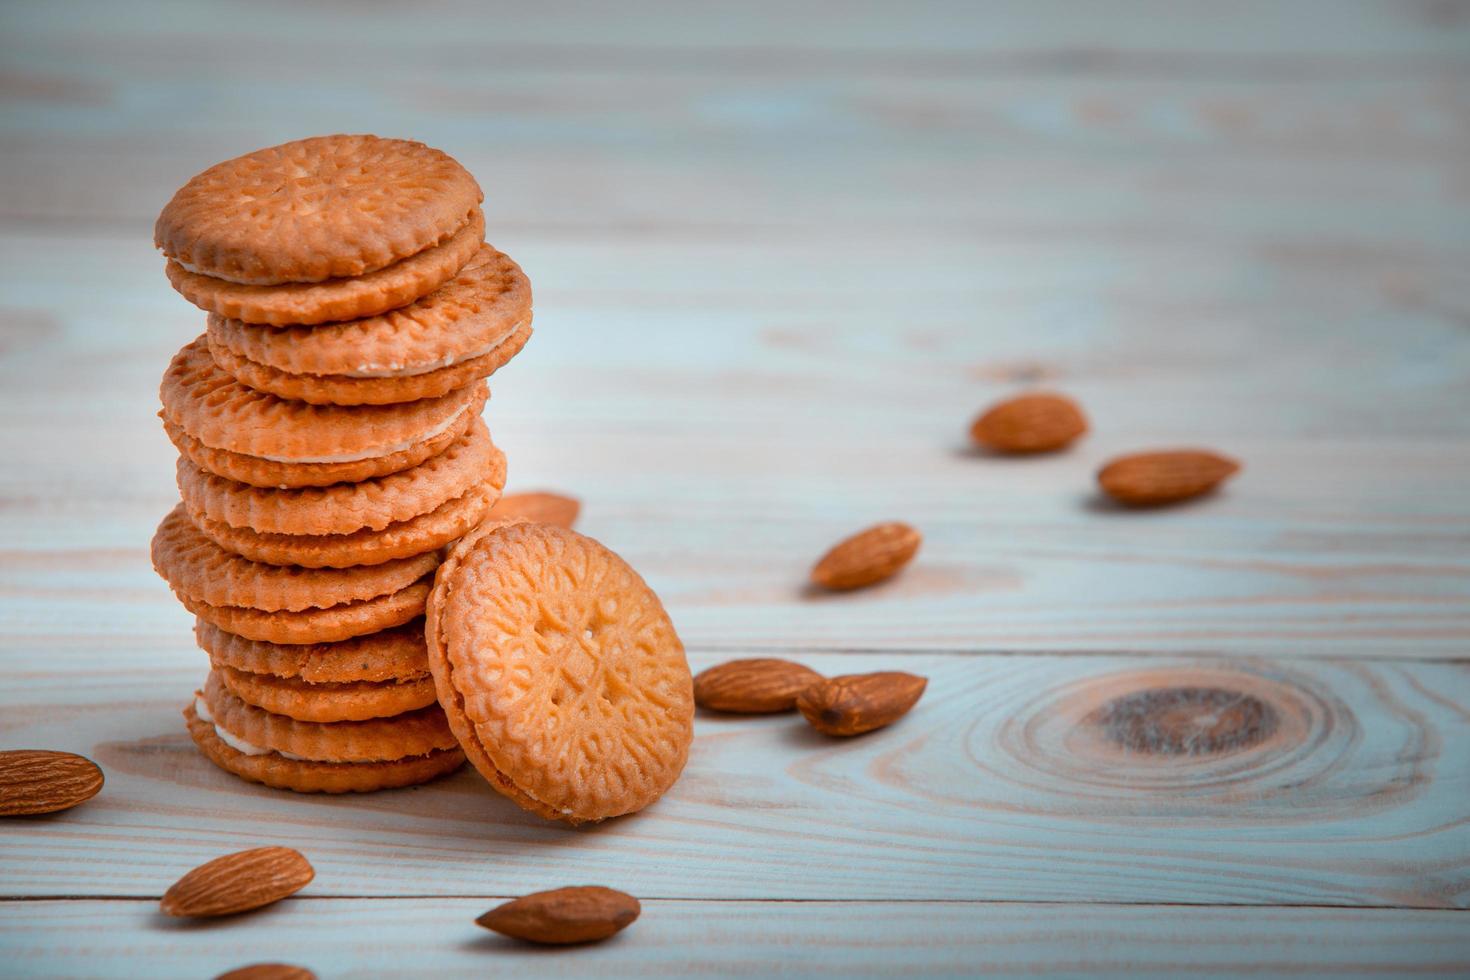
196, 567
346, 507
315, 209
560, 672
333, 299
337, 389
344, 701
390, 655
269, 473
374, 740
212, 407
328, 625
275, 770
450, 520
470, 314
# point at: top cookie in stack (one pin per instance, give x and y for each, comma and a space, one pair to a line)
330, 445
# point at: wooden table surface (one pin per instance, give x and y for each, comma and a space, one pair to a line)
782, 253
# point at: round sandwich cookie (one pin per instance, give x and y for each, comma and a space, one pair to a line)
212, 407
396, 654
322, 208
201, 570
450, 520
463, 331
284, 476
290, 770
560, 672
309, 626
346, 507
373, 740
333, 299
340, 701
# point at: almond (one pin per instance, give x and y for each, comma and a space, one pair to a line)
867, 557
583, 914
754, 687
1040, 422
268, 971
539, 508
1148, 479
36, 781
239, 882
857, 703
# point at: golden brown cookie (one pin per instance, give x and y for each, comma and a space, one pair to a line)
463, 331
334, 299
336, 389
373, 740
315, 209
196, 567
450, 520
279, 772
328, 625
346, 507
267, 473
221, 413
396, 654
560, 672
342, 701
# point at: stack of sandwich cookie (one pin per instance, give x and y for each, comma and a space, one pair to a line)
331, 447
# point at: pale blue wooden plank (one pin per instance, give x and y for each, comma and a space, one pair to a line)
1016, 778
437, 937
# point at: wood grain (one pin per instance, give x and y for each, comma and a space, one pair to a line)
438, 937
1017, 778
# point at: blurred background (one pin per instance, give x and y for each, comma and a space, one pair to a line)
783, 252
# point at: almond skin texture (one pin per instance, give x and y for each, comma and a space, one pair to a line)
239, 882
583, 914
268, 971
760, 686
858, 703
34, 781
539, 508
1041, 422
867, 557
1155, 478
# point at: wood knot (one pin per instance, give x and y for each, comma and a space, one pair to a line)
1185, 721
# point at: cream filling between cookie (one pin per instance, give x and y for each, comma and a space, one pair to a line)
396, 447
448, 360
236, 742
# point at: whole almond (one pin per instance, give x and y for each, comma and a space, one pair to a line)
754, 687
582, 914
858, 703
1040, 422
34, 781
539, 508
239, 882
867, 557
1149, 479
268, 971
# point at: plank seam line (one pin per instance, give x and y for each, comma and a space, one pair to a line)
800, 901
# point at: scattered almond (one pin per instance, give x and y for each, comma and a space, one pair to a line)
540, 508
858, 703
268, 971
1040, 422
1149, 479
239, 882
867, 557
564, 915
34, 781
754, 687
